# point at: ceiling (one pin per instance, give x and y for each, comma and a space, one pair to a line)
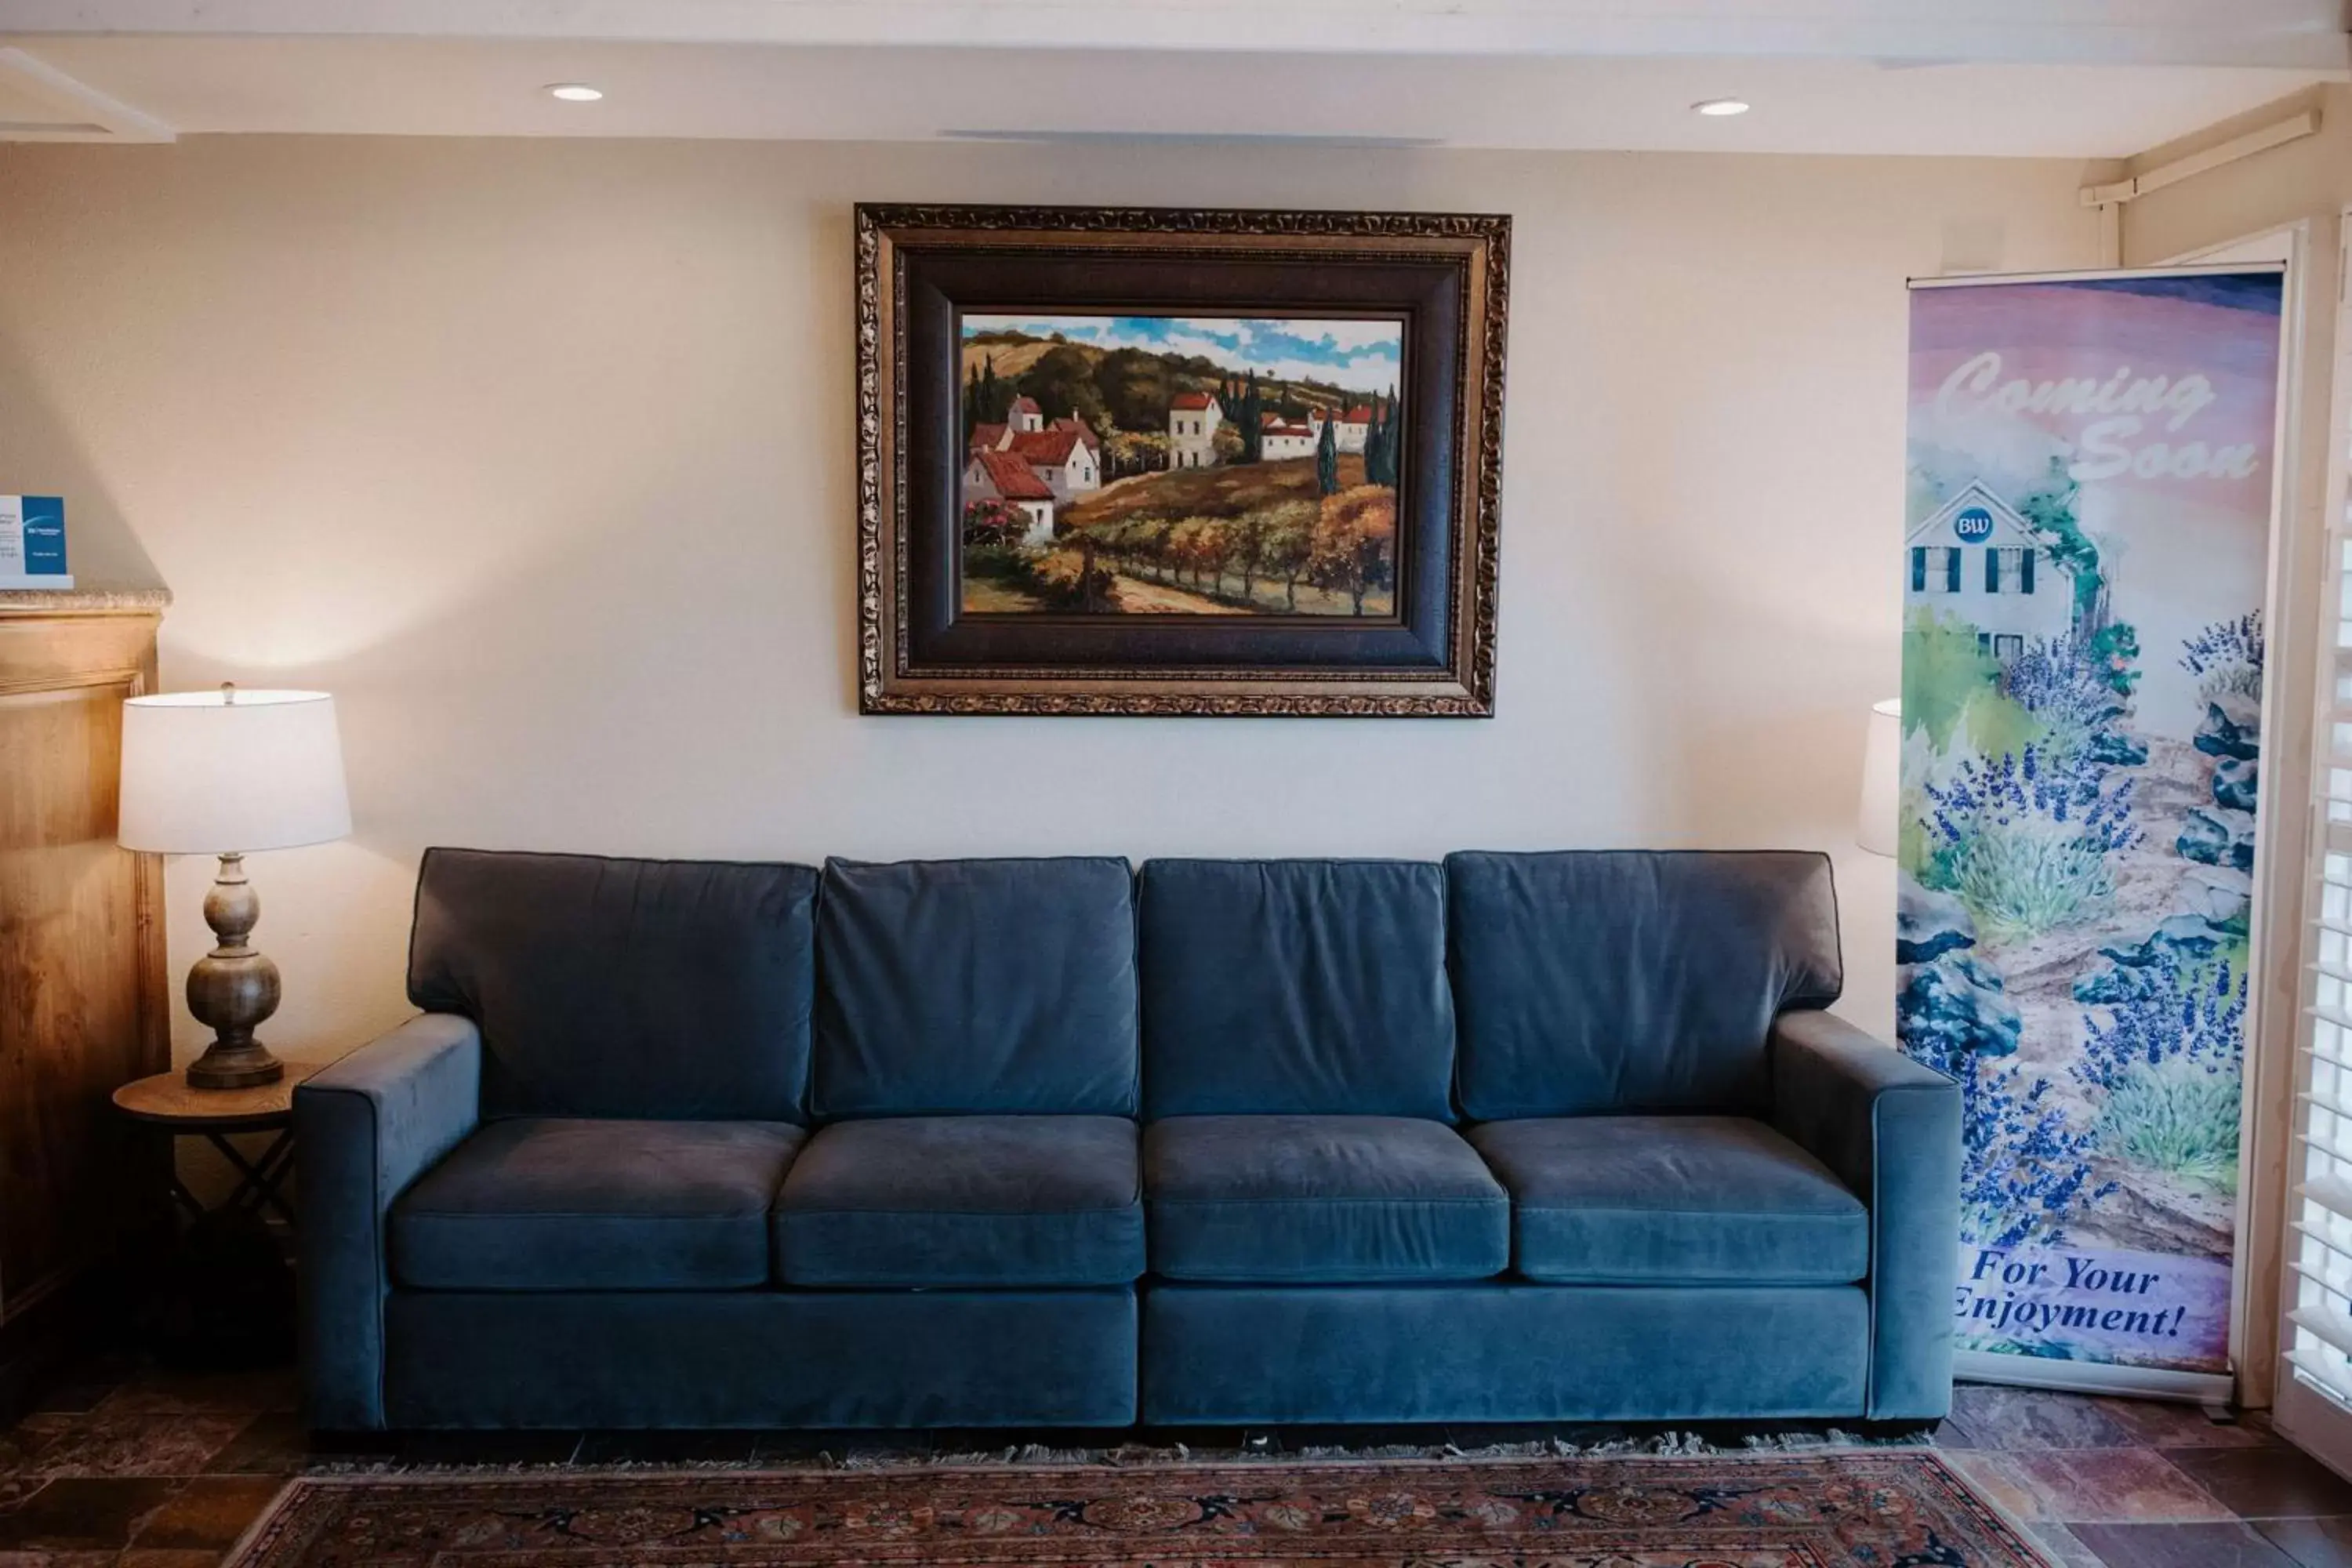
2090, 79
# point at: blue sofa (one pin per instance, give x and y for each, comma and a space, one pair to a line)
1051, 1143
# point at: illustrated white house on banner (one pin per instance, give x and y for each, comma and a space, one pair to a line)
1976, 556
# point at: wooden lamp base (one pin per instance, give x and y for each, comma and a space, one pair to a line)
233, 988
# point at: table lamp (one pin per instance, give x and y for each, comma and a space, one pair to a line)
221, 772
1874, 827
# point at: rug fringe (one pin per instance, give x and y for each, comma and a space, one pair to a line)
1662, 1445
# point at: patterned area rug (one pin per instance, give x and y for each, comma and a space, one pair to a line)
1850, 1510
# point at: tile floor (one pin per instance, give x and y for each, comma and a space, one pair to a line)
2118, 1483
131, 1466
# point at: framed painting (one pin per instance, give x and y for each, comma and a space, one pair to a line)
1162, 462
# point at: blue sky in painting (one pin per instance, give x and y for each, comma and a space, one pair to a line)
1362, 356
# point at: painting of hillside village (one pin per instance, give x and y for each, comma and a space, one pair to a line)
1187, 466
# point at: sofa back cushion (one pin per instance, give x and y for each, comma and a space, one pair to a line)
1296, 987
622, 989
1600, 981
971, 986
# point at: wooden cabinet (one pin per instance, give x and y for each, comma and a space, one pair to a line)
83, 1000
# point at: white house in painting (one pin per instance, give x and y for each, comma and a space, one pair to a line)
1350, 429
991, 474
1277, 437
1192, 421
1977, 558
1024, 415
1067, 456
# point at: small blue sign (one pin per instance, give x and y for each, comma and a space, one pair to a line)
1973, 525
32, 543
44, 536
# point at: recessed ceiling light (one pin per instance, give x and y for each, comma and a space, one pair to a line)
1720, 107
580, 92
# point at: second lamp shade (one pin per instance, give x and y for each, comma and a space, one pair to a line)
1882, 779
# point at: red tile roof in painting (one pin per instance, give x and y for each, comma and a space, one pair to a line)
1013, 478
1359, 415
986, 437
1053, 447
1190, 400
1085, 432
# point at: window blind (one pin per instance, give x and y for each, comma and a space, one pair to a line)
2319, 1349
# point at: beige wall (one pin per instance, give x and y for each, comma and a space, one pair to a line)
538, 455
2306, 183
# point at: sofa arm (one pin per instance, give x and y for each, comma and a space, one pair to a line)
1891, 1130
364, 1128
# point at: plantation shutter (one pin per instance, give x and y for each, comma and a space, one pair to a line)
1992, 570
2317, 1348
1952, 568
1918, 568
2025, 569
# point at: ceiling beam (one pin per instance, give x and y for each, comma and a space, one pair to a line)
72, 111
2278, 133
2296, 35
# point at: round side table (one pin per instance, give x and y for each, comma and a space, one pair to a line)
217, 1115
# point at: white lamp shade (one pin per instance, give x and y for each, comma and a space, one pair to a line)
1875, 828
212, 773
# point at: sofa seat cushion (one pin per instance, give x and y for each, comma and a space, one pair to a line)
972, 1201
564, 1204
1672, 1200
1320, 1200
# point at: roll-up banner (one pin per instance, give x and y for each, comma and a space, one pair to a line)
2085, 563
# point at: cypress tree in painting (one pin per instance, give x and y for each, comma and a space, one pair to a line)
1391, 442
1327, 461
1252, 424
995, 397
1380, 443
